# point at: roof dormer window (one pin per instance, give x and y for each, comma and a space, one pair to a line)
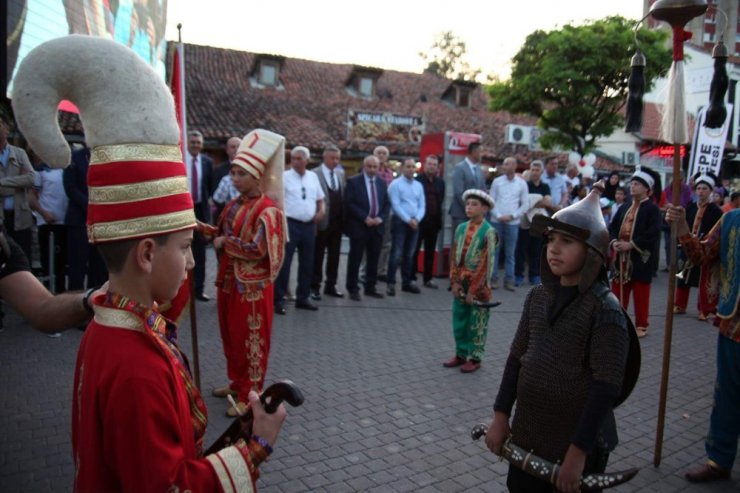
363, 82
460, 93
266, 71
463, 97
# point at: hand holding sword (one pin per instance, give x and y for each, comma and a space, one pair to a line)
543, 469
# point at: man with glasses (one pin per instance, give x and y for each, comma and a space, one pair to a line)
304, 207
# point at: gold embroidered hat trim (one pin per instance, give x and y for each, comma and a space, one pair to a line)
141, 226
135, 152
132, 192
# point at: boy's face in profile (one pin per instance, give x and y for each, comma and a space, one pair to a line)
170, 264
243, 181
565, 256
475, 208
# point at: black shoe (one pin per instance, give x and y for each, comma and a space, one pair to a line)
391, 290
333, 293
202, 297
382, 278
373, 294
280, 310
355, 296
306, 305
315, 295
411, 288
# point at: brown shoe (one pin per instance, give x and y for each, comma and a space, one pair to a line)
224, 391
470, 366
706, 473
231, 412
456, 361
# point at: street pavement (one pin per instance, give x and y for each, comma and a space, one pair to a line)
381, 414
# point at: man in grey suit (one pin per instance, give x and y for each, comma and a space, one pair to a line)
329, 235
466, 175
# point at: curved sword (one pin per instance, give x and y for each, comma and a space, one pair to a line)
547, 471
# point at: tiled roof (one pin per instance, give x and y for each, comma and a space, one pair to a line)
311, 106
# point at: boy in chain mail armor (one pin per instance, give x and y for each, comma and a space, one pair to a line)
568, 359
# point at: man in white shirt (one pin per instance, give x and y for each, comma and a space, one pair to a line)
304, 207
511, 196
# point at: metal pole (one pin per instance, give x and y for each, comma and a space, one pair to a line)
52, 264
194, 332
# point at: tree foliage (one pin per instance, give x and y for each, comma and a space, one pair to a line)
447, 58
574, 79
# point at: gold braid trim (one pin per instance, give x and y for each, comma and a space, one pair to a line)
232, 470
141, 226
117, 194
135, 152
114, 317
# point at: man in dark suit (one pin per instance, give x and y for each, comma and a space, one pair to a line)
466, 175
200, 173
329, 235
434, 195
82, 257
366, 209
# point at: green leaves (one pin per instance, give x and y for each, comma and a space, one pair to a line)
574, 79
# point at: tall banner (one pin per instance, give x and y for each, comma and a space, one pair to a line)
177, 86
708, 144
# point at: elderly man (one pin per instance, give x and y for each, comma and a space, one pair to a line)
200, 169
221, 181
304, 208
408, 204
329, 236
511, 196
366, 205
16, 180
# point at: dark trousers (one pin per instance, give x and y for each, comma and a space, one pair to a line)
403, 246
199, 254
23, 237
59, 248
428, 233
83, 260
368, 244
328, 243
519, 481
302, 238
528, 251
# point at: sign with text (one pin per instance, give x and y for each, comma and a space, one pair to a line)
384, 127
708, 144
458, 142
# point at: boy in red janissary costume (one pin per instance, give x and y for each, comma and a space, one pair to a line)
251, 245
138, 420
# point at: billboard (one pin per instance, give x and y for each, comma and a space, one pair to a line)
384, 127
138, 24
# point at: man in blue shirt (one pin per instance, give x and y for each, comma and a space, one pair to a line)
556, 182
407, 200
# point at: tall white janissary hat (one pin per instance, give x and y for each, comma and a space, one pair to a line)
137, 180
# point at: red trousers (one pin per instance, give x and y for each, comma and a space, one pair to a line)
245, 321
642, 300
703, 304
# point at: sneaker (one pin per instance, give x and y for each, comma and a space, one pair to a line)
391, 290
315, 295
54, 335
431, 285
509, 286
494, 284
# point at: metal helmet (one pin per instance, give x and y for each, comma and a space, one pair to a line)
584, 221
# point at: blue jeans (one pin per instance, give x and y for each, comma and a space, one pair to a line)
507, 235
403, 248
724, 427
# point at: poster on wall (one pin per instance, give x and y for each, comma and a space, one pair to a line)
138, 24
708, 145
384, 127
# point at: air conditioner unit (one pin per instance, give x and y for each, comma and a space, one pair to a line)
518, 134
631, 157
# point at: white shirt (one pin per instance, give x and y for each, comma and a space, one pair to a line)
338, 174
225, 191
511, 198
189, 170
301, 194
52, 197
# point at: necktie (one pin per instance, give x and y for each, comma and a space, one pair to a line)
194, 179
333, 180
373, 199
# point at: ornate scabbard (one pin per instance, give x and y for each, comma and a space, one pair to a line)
547, 471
